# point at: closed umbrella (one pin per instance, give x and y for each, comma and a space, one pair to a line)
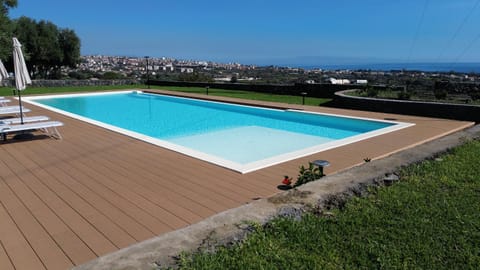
22, 78
3, 72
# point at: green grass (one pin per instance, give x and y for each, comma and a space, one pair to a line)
7, 91
247, 95
430, 220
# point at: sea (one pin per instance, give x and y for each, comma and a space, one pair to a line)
426, 67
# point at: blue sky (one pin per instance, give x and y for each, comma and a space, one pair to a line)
271, 31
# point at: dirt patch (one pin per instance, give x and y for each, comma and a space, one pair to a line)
291, 196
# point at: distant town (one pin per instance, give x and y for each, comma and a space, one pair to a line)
170, 69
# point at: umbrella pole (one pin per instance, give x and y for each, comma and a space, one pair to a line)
25, 134
21, 110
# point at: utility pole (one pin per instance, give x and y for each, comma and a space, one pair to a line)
148, 77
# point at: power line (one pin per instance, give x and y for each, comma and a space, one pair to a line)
419, 26
469, 46
459, 29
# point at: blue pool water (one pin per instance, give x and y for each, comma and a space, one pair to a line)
235, 133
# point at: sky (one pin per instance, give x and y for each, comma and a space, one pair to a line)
271, 31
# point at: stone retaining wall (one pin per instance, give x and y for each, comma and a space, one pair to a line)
319, 90
64, 83
463, 112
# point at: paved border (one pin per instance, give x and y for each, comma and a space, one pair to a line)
227, 226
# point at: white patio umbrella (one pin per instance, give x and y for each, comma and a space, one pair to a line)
3, 72
22, 78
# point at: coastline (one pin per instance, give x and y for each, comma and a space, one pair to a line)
425, 67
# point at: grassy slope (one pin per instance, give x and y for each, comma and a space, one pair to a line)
430, 220
199, 90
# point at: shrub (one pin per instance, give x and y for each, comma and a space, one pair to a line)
308, 174
440, 93
372, 91
111, 75
474, 95
404, 95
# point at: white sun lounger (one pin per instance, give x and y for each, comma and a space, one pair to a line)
26, 119
49, 127
3, 101
12, 110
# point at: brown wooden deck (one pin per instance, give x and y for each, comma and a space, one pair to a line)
65, 202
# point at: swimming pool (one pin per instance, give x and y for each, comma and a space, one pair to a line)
238, 137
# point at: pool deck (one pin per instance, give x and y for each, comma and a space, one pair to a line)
66, 202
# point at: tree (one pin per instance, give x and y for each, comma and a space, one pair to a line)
46, 47
25, 29
70, 45
111, 75
48, 54
6, 28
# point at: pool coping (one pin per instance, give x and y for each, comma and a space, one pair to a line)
228, 164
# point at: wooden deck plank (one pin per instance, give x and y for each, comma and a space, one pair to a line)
28, 244
72, 214
129, 224
197, 208
222, 194
176, 188
180, 186
153, 210
133, 208
69, 216
70, 243
90, 176
5, 262
192, 191
157, 194
20, 253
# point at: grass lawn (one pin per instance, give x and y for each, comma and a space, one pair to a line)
7, 91
429, 220
247, 95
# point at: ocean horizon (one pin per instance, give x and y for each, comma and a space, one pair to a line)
426, 67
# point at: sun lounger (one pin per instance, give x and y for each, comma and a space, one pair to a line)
12, 110
26, 119
11, 107
3, 102
49, 127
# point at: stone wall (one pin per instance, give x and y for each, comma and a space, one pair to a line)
430, 109
66, 83
62, 83
319, 90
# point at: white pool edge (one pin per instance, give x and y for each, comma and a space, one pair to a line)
241, 168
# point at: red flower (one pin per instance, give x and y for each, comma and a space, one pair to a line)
287, 181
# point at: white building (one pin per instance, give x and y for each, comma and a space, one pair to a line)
362, 82
338, 81
186, 70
